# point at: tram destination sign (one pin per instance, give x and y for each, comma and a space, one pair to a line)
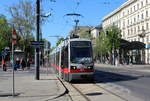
80, 44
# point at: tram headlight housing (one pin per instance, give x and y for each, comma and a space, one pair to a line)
90, 67
73, 67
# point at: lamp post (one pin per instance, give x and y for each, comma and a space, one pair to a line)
37, 60
37, 77
142, 35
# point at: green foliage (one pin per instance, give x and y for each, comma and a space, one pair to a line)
114, 35
107, 39
5, 33
101, 44
23, 18
59, 41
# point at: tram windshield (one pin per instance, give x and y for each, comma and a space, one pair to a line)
81, 52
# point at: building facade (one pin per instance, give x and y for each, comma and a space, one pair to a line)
133, 18
95, 31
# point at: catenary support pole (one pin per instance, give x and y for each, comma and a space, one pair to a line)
37, 39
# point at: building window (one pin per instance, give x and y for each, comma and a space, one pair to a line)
141, 4
123, 14
134, 19
134, 30
142, 16
131, 31
137, 6
147, 26
134, 8
146, 13
131, 10
147, 38
142, 27
138, 28
138, 17
128, 22
146, 1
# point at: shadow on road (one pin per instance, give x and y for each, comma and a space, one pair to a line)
108, 77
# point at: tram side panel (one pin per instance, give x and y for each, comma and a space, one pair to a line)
64, 63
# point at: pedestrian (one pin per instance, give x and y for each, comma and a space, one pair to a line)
23, 64
28, 64
4, 65
17, 64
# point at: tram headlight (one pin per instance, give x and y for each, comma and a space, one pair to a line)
90, 67
73, 67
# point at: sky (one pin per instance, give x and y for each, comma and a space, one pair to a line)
92, 12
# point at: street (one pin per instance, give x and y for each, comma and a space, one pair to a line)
127, 83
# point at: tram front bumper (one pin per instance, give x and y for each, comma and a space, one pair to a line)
78, 76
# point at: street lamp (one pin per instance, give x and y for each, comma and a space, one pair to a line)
142, 35
37, 61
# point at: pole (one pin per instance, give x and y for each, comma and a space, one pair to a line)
76, 21
13, 88
113, 53
37, 38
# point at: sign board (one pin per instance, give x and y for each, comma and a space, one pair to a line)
147, 45
37, 44
3, 53
14, 36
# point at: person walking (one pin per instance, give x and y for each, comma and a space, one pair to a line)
17, 64
4, 65
28, 64
23, 64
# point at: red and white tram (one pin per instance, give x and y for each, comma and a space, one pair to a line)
73, 59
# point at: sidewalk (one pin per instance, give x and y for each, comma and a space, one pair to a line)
29, 89
142, 68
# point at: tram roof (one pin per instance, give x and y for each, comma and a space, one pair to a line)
65, 43
80, 39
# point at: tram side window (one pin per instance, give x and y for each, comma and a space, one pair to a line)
64, 57
57, 58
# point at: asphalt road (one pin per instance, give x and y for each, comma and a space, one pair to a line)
129, 84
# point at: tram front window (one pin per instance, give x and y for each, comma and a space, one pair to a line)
81, 55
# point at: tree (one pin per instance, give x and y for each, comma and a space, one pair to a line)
101, 46
5, 33
23, 18
59, 41
107, 42
114, 35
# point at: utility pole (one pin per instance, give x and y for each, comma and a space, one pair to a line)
37, 62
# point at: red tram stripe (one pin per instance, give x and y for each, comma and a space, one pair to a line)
66, 70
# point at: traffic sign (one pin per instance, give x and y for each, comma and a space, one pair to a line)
3, 53
37, 44
14, 37
41, 43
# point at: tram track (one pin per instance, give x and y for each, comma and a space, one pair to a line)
111, 92
90, 92
82, 94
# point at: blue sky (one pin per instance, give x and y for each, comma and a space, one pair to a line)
92, 10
